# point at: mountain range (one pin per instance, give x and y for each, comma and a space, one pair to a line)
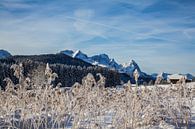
103, 60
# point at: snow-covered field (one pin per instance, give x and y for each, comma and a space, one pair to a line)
106, 119
193, 114
90, 105
110, 114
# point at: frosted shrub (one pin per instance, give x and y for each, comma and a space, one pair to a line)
136, 76
18, 71
50, 76
158, 79
91, 105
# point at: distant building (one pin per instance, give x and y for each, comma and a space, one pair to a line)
174, 78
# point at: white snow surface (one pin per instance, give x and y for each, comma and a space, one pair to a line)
162, 125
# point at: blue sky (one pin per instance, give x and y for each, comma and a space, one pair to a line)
158, 34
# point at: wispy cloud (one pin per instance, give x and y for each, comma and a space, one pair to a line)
150, 31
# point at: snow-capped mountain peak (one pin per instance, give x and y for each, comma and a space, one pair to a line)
103, 60
113, 64
79, 54
130, 67
68, 52
4, 54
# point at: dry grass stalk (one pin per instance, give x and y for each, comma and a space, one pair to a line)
90, 104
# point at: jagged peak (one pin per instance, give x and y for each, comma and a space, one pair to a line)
105, 56
104, 60
79, 52
130, 64
67, 52
112, 60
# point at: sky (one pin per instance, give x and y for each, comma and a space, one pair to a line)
158, 34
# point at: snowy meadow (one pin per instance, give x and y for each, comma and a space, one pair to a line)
90, 105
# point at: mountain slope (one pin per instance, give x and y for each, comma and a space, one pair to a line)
69, 70
4, 54
103, 60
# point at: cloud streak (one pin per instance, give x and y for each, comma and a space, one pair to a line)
149, 31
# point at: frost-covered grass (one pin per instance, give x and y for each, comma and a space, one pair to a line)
91, 105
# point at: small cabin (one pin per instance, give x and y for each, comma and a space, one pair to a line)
174, 78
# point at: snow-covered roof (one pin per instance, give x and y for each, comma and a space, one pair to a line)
179, 76
175, 76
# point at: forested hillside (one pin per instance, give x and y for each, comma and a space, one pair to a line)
69, 70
